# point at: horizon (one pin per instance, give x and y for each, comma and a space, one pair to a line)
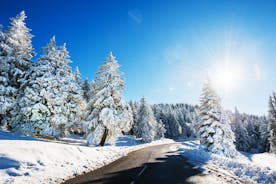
166, 50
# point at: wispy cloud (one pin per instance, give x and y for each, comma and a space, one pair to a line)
135, 16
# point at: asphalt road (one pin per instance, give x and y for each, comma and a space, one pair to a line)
156, 164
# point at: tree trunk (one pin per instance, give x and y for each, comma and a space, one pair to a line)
104, 137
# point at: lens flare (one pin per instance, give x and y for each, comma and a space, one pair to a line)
227, 78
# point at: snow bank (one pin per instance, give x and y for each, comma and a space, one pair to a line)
28, 160
250, 168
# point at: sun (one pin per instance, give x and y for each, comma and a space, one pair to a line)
227, 78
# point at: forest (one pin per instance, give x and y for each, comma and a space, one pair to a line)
46, 98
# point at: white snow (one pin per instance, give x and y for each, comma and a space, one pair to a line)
28, 160
107, 113
248, 168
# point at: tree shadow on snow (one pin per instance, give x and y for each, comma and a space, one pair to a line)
6, 135
127, 141
247, 155
196, 154
6, 163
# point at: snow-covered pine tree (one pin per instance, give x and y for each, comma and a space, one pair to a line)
17, 41
160, 130
7, 92
272, 122
242, 137
239, 127
19, 38
86, 89
78, 76
134, 105
264, 133
147, 124
107, 113
77, 127
179, 119
214, 129
50, 98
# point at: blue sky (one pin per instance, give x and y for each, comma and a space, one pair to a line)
166, 48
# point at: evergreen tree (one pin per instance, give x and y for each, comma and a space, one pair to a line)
19, 38
86, 90
50, 99
135, 110
272, 122
264, 133
179, 119
7, 92
239, 124
147, 125
214, 129
242, 137
18, 52
78, 76
160, 130
107, 113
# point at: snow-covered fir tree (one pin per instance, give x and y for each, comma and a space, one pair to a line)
264, 133
257, 128
19, 38
147, 125
272, 121
239, 127
50, 99
160, 130
134, 105
86, 90
78, 76
251, 132
18, 52
7, 92
107, 113
214, 129
78, 126
179, 119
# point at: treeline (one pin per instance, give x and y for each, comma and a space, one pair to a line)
182, 120
251, 132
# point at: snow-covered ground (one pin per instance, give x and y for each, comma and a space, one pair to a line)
25, 159
28, 160
246, 168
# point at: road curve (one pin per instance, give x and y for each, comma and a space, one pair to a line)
155, 164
